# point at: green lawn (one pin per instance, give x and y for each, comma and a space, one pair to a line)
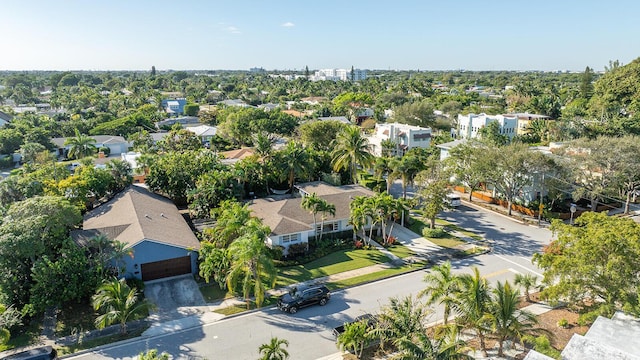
88, 344
337, 262
400, 251
212, 292
378, 275
448, 241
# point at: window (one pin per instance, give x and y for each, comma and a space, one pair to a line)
290, 238
328, 227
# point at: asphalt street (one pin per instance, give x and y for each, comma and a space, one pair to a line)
309, 331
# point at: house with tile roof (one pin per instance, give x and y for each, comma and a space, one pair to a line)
161, 242
291, 224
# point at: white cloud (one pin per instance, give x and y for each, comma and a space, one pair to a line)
233, 30
288, 24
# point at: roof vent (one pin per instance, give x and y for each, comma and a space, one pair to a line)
162, 215
147, 216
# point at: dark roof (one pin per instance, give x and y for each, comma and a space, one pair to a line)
135, 215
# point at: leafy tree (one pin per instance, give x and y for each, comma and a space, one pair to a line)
118, 303
509, 169
122, 174
80, 146
274, 350
406, 168
29, 151
319, 134
211, 189
10, 140
490, 135
191, 109
142, 141
432, 194
592, 264
419, 113
526, 281
214, 263
442, 286
251, 264
31, 229
175, 173
466, 164
180, 140
507, 321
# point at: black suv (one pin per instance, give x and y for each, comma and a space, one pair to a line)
302, 296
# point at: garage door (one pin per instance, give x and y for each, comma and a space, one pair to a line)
166, 268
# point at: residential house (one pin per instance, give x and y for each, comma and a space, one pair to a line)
525, 119
233, 156
404, 136
5, 118
342, 119
234, 102
174, 107
470, 125
116, 144
615, 338
446, 147
204, 132
182, 120
290, 224
161, 242
268, 106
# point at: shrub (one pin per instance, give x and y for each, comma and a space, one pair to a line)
542, 345
358, 244
391, 240
297, 250
136, 283
105, 150
563, 323
276, 252
6, 162
434, 233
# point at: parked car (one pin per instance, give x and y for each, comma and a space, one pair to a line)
41, 353
300, 297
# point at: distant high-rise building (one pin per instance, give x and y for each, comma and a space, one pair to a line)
339, 74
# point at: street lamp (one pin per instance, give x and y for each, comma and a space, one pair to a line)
573, 211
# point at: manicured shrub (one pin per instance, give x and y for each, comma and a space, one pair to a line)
434, 233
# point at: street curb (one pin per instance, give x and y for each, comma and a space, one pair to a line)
478, 207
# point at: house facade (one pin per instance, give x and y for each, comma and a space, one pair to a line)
290, 224
469, 125
525, 120
174, 107
160, 241
404, 136
117, 144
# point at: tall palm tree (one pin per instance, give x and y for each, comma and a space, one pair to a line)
442, 286
312, 204
295, 162
405, 169
399, 321
231, 219
507, 321
358, 216
80, 145
325, 209
350, 151
121, 172
472, 304
274, 350
526, 281
251, 265
118, 303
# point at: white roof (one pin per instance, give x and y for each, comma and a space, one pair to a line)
203, 130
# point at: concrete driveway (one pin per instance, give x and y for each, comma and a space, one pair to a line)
175, 298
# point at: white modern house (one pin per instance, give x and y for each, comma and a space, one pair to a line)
291, 224
470, 125
404, 136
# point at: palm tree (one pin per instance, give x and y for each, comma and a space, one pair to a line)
405, 169
472, 304
507, 321
118, 303
358, 216
325, 209
526, 281
401, 320
231, 219
274, 350
350, 151
295, 161
442, 286
354, 337
382, 169
121, 172
312, 203
251, 264
81, 145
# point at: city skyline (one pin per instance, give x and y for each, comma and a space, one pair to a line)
287, 35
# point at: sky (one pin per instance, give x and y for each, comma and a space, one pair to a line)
292, 34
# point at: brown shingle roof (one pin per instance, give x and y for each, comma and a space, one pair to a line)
287, 216
137, 214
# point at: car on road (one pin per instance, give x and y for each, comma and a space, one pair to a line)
303, 296
41, 353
